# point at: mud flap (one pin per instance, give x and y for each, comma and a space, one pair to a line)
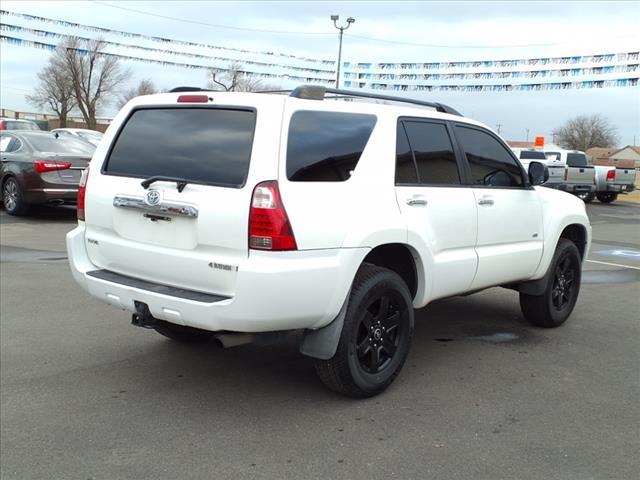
323, 342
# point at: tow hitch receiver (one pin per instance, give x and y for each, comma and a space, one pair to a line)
142, 317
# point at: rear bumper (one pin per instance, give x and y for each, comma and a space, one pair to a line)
275, 290
627, 188
577, 188
52, 193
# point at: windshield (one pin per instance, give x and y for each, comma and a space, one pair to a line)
97, 136
555, 156
61, 145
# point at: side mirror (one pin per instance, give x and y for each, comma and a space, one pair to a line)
538, 173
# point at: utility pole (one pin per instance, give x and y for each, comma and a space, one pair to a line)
335, 19
498, 125
527, 134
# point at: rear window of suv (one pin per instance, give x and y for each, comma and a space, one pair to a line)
326, 146
201, 145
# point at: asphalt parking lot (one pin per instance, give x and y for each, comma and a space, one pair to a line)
483, 395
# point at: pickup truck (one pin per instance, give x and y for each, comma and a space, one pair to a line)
579, 176
554, 167
611, 181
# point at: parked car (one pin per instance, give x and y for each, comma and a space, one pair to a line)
555, 168
40, 168
17, 124
90, 136
266, 213
612, 181
579, 176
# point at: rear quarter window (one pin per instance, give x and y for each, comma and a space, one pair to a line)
326, 146
201, 145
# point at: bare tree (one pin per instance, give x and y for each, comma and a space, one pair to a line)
55, 89
145, 87
94, 74
586, 131
234, 79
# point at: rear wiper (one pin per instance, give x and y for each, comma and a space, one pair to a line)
181, 182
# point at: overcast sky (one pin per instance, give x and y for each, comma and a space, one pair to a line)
465, 30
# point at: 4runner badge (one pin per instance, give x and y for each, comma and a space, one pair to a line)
153, 197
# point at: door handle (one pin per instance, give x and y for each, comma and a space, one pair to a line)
485, 201
416, 201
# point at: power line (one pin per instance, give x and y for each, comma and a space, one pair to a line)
362, 37
216, 25
433, 45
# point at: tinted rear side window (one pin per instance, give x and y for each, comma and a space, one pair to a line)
576, 160
406, 172
433, 152
202, 145
532, 155
326, 146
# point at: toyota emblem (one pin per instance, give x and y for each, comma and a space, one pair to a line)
152, 197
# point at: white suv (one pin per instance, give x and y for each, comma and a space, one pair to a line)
239, 215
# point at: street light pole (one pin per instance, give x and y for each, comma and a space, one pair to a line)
335, 19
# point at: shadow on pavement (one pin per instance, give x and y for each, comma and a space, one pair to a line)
42, 213
205, 376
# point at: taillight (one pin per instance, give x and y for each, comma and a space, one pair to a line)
82, 190
43, 166
269, 226
611, 175
193, 99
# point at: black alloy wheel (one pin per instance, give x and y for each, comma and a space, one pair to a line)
555, 304
378, 333
562, 291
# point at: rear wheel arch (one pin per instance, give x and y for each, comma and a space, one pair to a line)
399, 258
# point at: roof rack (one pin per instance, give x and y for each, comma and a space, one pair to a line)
318, 92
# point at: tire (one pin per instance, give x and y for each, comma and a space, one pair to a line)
12, 197
379, 310
607, 197
553, 307
180, 333
587, 197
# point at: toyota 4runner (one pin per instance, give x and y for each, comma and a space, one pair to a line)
245, 215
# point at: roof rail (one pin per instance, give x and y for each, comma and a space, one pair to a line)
186, 89
318, 92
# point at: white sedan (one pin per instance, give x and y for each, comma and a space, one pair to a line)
87, 135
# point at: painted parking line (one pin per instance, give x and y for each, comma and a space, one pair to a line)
614, 264
629, 253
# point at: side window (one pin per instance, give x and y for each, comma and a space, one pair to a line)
326, 146
15, 145
4, 143
406, 172
433, 153
489, 162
